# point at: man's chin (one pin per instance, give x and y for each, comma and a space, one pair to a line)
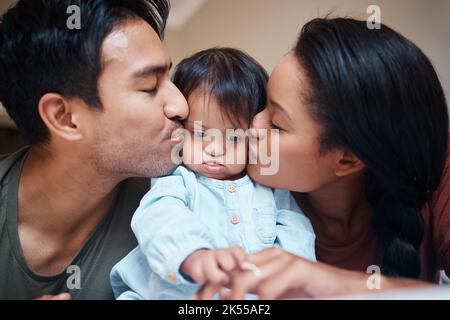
154, 167
167, 172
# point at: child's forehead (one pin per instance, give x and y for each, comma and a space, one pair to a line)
206, 123
206, 109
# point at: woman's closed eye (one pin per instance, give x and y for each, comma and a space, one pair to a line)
151, 92
274, 126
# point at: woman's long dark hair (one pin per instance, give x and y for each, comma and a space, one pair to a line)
377, 94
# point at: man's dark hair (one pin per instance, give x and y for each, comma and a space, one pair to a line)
39, 54
231, 76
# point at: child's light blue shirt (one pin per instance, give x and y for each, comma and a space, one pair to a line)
185, 212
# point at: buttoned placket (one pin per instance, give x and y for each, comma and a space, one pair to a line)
232, 211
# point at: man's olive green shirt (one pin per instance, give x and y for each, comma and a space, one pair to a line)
87, 276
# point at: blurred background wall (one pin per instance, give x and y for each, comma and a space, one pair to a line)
267, 29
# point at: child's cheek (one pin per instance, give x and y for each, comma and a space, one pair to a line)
187, 150
193, 151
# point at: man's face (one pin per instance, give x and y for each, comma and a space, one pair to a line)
131, 136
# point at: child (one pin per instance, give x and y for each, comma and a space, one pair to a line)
195, 225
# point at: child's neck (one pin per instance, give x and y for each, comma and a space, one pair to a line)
236, 176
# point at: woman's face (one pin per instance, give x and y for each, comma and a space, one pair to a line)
302, 167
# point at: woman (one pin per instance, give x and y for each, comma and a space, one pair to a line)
363, 146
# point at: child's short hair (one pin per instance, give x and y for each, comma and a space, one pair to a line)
232, 77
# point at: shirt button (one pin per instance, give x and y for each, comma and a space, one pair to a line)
231, 188
172, 277
235, 220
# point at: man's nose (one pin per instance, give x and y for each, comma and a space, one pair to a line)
176, 107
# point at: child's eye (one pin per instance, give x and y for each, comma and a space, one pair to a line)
234, 138
199, 134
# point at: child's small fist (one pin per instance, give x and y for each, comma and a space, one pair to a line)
213, 265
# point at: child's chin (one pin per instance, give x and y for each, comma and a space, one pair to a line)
218, 176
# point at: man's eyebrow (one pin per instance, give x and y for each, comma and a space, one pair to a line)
276, 105
149, 71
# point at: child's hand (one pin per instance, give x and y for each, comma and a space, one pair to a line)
213, 265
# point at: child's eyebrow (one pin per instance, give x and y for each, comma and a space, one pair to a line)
190, 123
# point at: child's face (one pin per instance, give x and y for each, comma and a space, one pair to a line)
218, 148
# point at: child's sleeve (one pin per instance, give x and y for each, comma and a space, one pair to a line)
167, 230
294, 232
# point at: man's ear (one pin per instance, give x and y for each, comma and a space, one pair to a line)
348, 163
55, 111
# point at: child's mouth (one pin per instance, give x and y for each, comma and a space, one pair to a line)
213, 167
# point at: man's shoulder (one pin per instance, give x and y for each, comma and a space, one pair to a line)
3, 157
133, 190
139, 186
8, 160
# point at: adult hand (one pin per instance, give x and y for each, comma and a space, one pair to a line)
62, 296
284, 275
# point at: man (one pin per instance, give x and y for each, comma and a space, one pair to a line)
97, 106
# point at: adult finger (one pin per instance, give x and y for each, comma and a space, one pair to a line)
227, 261
264, 256
246, 281
238, 253
208, 291
279, 284
62, 296
212, 271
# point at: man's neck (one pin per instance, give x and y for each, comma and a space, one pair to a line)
61, 201
63, 193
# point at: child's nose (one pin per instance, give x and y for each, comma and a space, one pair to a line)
215, 149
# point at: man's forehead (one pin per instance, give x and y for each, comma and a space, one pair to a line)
134, 44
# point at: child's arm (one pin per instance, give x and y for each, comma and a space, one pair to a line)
166, 229
295, 234
294, 231
213, 265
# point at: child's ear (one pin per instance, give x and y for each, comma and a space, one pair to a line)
348, 163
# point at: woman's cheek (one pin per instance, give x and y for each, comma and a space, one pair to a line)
289, 163
297, 164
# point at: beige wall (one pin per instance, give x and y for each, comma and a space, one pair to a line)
267, 29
